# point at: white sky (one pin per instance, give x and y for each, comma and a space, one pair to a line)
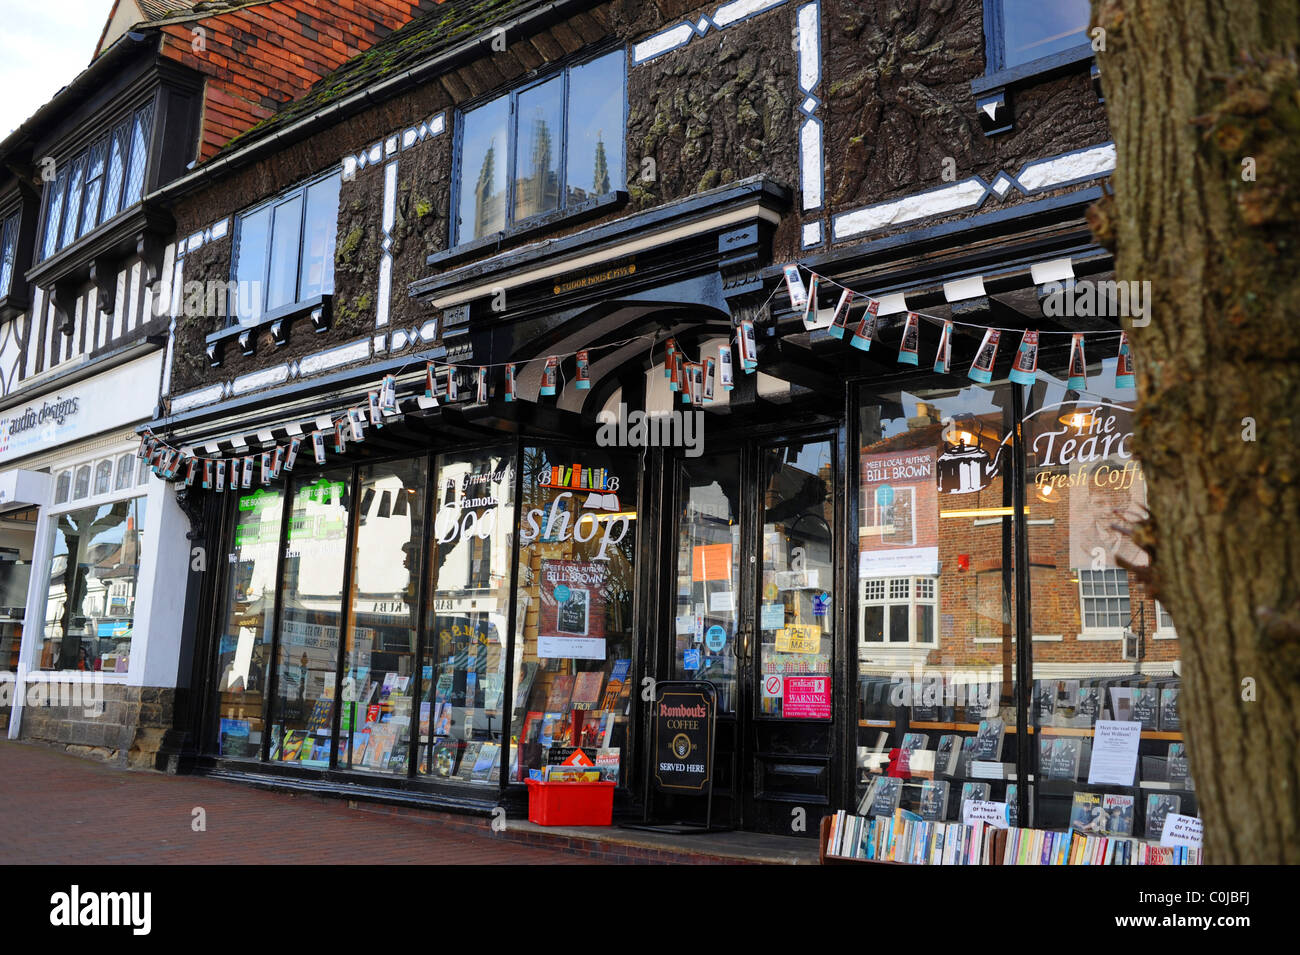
43, 45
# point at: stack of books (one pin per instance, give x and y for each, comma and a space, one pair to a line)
1037, 847
907, 838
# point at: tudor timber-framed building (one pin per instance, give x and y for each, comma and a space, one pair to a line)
867, 553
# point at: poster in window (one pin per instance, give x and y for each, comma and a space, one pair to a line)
573, 609
899, 521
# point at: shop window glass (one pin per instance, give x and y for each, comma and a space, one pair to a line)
1036, 28
935, 613
104, 477
125, 470
142, 473
1085, 479
302, 712
247, 611
81, 484
8, 252
139, 158
379, 678
284, 250
117, 149
564, 137
94, 187
462, 712
708, 575
574, 637
63, 487
796, 614
70, 219
90, 600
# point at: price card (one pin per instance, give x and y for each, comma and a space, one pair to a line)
1182, 831
981, 810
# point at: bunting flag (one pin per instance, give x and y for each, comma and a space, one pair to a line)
911, 343
277, 462
192, 467
207, 474
710, 374
431, 382
748, 346
810, 307
943, 357
1024, 370
794, 284
1124, 377
725, 376
372, 407
248, 472
388, 395
866, 328
340, 437
583, 381
318, 446
981, 369
510, 382
482, 381
356, 431
291, 456
840, 320
1077, 379
670, 363
264, 460
453, 384
221, 475
549, 373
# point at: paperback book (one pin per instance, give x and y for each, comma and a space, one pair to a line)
1160, 805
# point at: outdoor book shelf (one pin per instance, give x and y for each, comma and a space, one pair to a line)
998, 837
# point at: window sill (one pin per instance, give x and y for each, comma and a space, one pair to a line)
491, 244
993, 91
1117, 634
319, 308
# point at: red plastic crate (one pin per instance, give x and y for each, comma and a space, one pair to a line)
571, 804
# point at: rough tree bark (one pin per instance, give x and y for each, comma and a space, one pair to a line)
1196, 90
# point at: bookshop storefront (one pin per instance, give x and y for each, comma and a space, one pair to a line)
863, 590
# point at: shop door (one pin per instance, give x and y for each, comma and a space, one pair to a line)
753, 614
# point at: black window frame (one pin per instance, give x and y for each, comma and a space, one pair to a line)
298, 190
995, 46
511, 225
81, 156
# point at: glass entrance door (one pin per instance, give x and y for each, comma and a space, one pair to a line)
753, 613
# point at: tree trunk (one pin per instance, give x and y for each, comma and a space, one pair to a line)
1198, 93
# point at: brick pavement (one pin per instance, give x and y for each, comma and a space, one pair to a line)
63, 809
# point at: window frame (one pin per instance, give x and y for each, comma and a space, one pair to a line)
511, 225
912, 602
11, 226
1107, 632
297, 191
81, 155
995, 46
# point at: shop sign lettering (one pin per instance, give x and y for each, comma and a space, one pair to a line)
799, 639
1098, 440
558, 525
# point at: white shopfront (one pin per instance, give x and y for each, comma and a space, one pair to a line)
100, 542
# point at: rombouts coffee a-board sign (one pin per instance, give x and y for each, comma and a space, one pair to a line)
683, 726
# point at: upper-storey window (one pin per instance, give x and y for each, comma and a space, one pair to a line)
8, 251
1025, 30
284, 250
542, 148
97, 183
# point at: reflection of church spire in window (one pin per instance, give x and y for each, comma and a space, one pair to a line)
601, 177
485, 208
540, 190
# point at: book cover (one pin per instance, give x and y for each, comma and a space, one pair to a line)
552, 727
915, 741
445, 754
1045, 701
485, 761
561, 692
1088, 706
965, 755
291, 746
934, 800
614, 688
1087, 814
988, 739
321, 717
607, 761
1121, 703
884, 795
1176, 766
1064, 762
1146, 707
592, 724
1170, 721
946, 755
469, 759
1119, 814
234, 740
969, 791
1160, 805
586, 689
